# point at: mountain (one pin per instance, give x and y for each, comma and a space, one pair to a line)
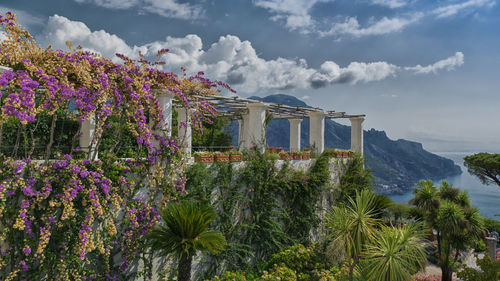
396, 164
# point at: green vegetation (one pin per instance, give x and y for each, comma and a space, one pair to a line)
485, 166
260, 209
213, 135
374, 250
294, 263
354, 225
396, 253
457, 223
184, 233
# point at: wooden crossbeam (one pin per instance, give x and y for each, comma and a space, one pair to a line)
234, 107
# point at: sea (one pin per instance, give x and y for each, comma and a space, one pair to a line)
485, 197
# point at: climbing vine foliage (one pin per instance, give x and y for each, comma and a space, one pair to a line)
78, 217
261, 207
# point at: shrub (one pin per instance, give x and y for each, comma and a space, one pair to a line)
280, 272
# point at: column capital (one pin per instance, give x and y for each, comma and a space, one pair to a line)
317, 114
256, 106
295, 121
357, 119
164, 93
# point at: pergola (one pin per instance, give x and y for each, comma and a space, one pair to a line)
251, 116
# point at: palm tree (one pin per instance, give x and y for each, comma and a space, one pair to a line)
456, 222
354, 224
395, 254
184, 233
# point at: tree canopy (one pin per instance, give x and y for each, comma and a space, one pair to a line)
485, 166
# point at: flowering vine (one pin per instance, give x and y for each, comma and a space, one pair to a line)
83, 219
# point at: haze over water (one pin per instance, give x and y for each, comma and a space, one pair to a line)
485, 197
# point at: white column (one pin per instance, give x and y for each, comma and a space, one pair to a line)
254, 131
87, 134
357, 134
317, 131
165, 127
295, 134
184, 132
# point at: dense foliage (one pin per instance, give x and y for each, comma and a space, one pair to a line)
375, 251
261, 208
293, 263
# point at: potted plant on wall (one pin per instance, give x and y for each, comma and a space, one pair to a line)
296, 155
235, 156
221, 157
285, 155
338, 153
306, 155
204, 157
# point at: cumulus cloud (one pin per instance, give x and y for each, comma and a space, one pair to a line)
330, 73
60, 29
231, 59
447, 64
295, 13
453, 9
165, 8
391, 3
385, 25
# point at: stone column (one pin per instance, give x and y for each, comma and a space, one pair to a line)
357, 134
491, 245
165, 127
87, 134
241, 132
184, 132
295, 134
317, 131
254, 131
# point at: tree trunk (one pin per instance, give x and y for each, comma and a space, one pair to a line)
351, 272
18, 138
184, 273
51, 139
446, 273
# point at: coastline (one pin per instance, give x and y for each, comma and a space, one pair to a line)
485, 197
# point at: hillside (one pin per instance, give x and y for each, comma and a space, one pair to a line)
396, 164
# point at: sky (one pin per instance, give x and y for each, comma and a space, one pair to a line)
421, 70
